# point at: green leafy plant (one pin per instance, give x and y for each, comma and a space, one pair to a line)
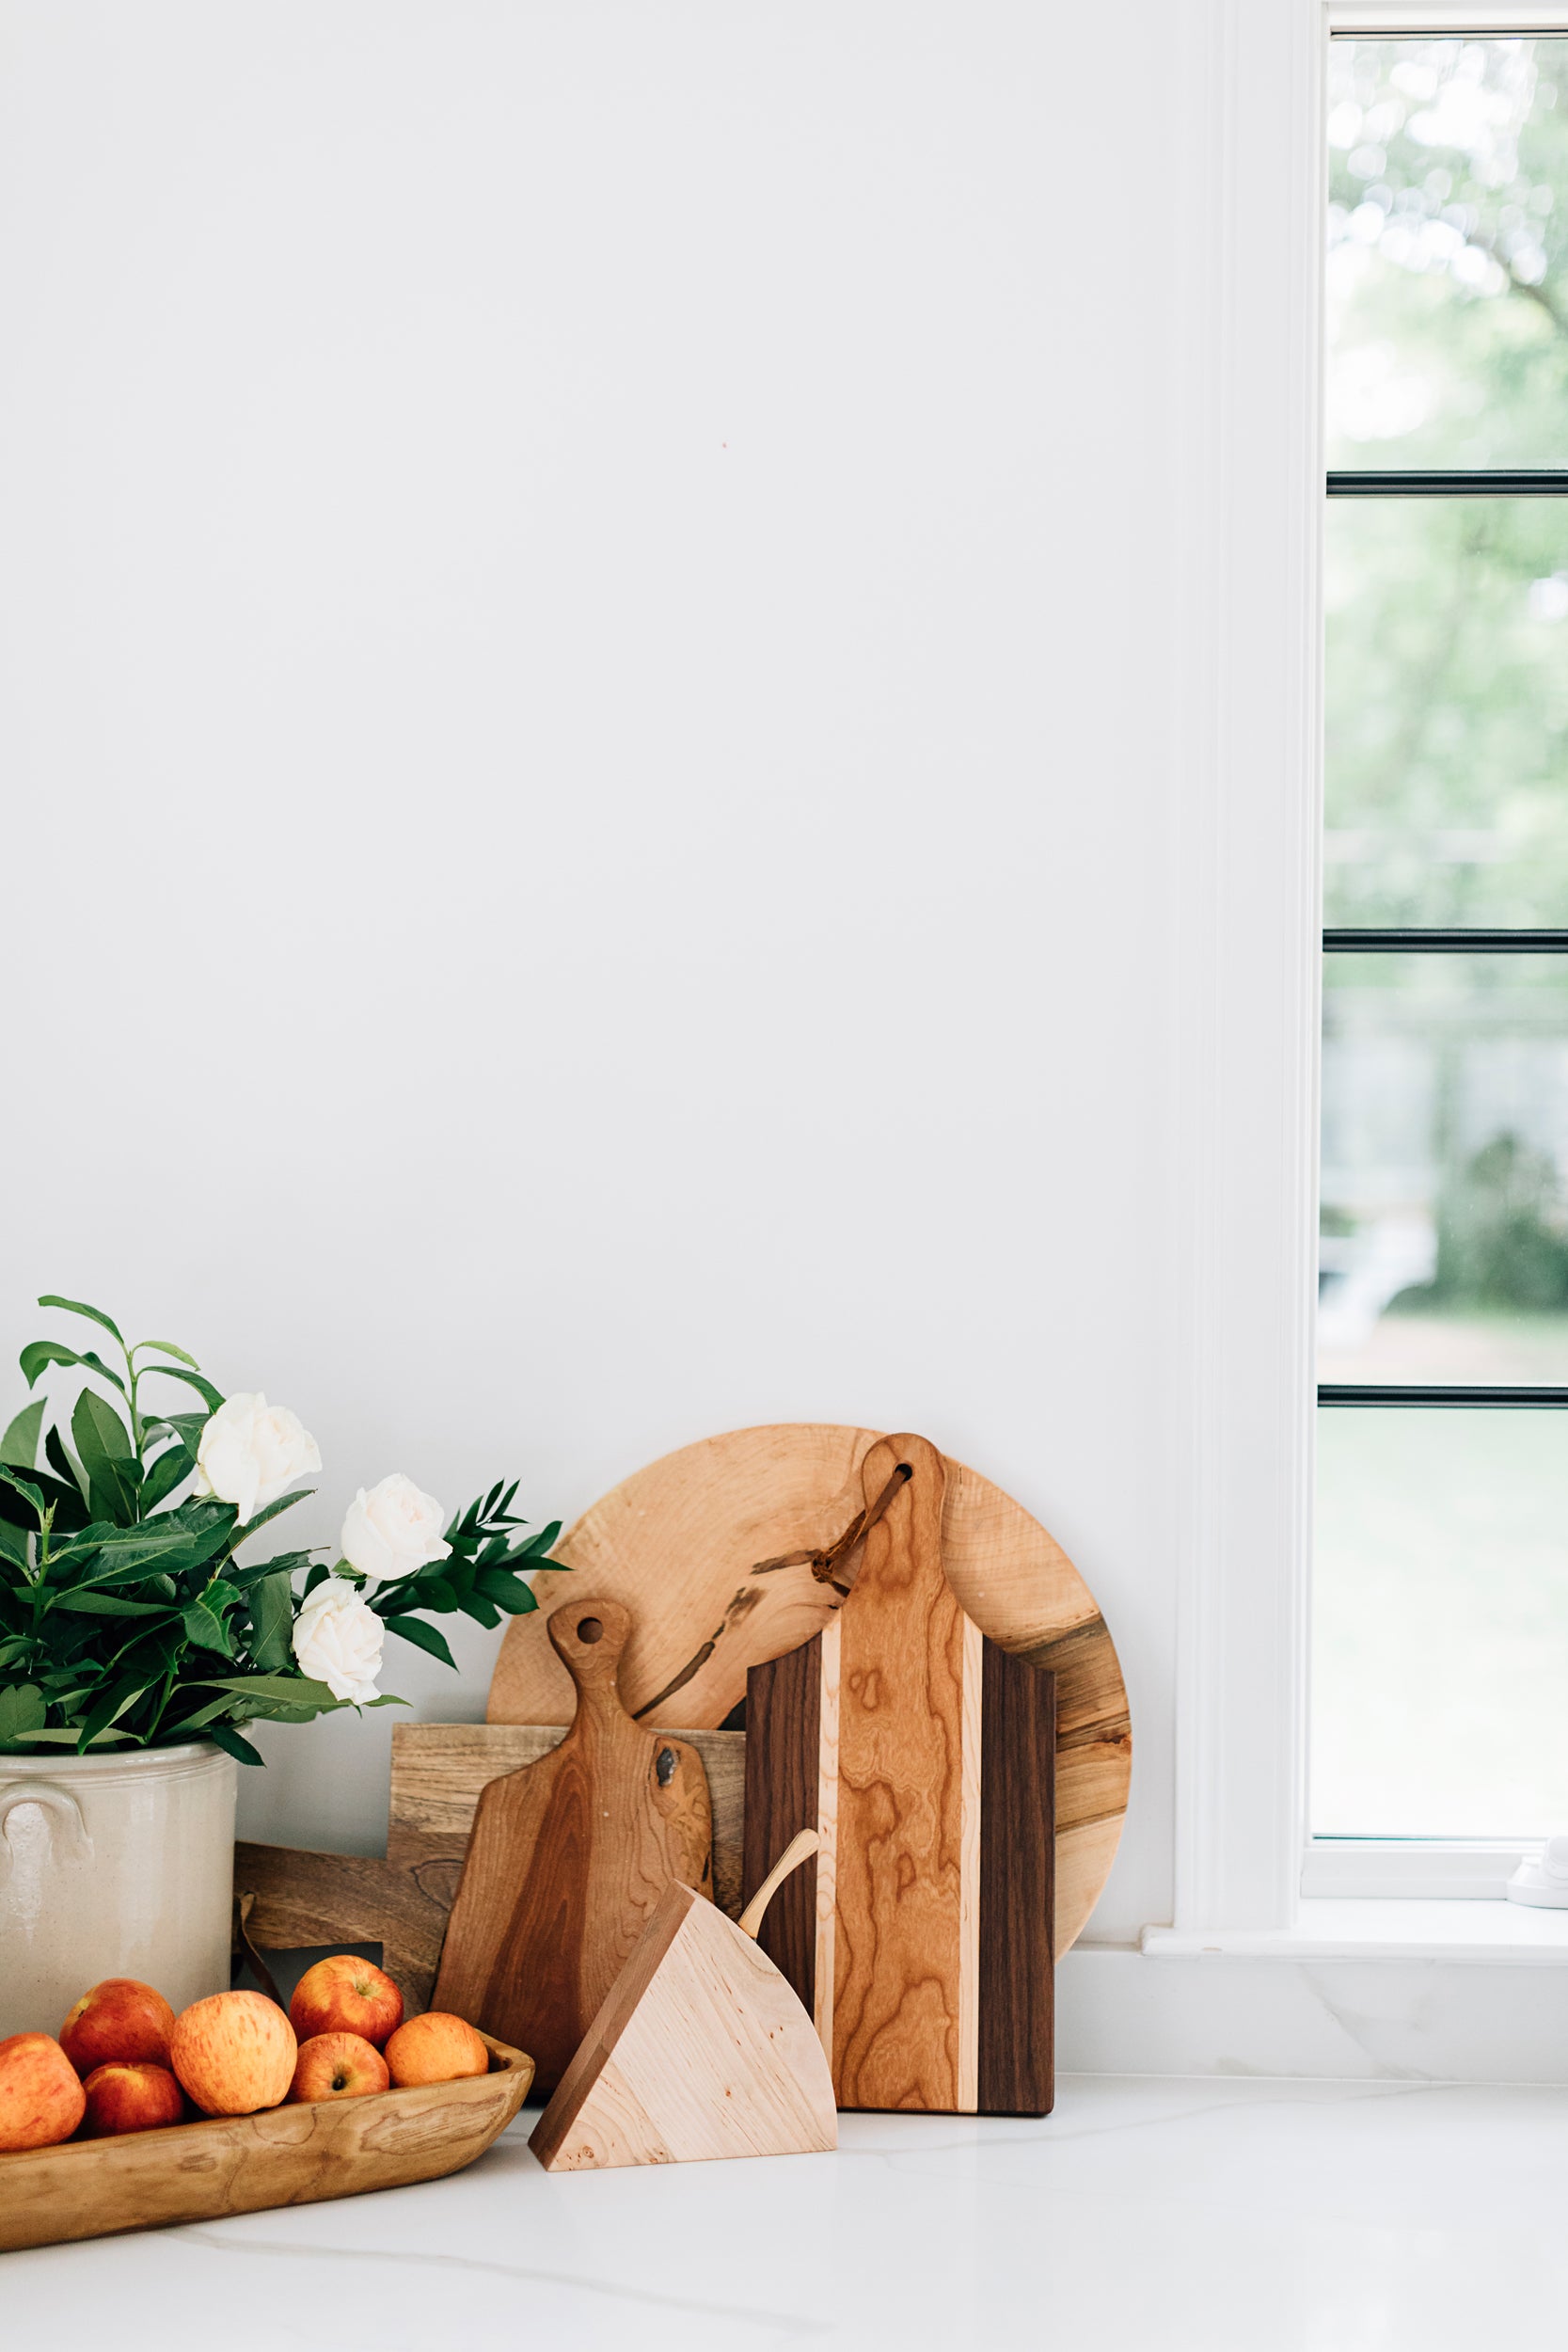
126, 1616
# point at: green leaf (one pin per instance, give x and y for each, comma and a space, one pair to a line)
24, 1488
434, 1593
294, 1690
171, 1469
317, 1576
198, 1722
207, 1631
74, 1306
13, 1544
283, 1503
192, 1380
107, 1454
272, 1618
39, 1354
106, 1710
91, 1604
422, 1636
230, 1741
165, 1347
22, 1713
122, 1556
20, 1444
67, 1471
540, 1544
187, 1427
507, 1591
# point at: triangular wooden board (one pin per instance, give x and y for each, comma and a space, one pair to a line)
701, 2050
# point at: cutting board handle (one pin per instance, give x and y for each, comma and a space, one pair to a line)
800, 1849
588, 1636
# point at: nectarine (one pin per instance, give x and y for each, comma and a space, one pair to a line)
338, 2066
345, 1996
233, 2053
131, 2099
435, 2048
41, 2099
120, 2018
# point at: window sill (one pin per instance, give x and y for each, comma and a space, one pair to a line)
1513, 1934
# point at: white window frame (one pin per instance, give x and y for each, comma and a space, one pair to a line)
1246, 1001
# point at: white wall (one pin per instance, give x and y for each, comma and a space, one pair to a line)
589, 602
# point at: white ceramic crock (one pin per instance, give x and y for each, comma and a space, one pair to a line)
113, 1866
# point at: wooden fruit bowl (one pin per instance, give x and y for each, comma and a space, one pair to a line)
290, 2155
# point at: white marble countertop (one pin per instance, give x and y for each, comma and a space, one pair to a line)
1144, 2215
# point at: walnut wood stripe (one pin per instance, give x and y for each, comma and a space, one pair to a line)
1017, 1894
782, 1714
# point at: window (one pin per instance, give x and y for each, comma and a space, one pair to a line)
1440, 1600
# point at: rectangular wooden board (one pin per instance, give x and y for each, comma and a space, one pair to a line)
924, 1756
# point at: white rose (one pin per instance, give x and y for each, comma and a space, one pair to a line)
392, 1530
337, 1640
251, 1451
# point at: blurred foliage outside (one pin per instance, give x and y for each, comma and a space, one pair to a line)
1447, 620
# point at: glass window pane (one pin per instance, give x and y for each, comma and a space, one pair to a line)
1440, 1624
1448, 259
1447, 738
1443, 1255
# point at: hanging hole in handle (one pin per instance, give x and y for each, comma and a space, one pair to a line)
664, 1767
590, 1629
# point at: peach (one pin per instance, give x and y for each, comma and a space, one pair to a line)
233, 2053
345, 1996
41, 2099
120, 2020
435, 2048
338, 2066
137, 2098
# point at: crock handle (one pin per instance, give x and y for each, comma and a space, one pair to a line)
69, 1832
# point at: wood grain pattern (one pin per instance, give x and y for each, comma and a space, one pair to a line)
931, 1989
1016, 2072
290, 2155
785, 1719
438, 1770
898, 1975
569, 1856
700, 2051
304, 1898
691, 1542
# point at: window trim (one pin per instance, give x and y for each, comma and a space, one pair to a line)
1245, 874
1426, 1867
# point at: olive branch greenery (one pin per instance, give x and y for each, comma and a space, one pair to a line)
125, 1616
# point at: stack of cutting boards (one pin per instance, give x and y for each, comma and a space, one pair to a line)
921, 1753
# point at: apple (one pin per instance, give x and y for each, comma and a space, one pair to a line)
435, 2048
345, 1996
338, 2066
233, 2053
130, 2098
41, 2099
120, 2018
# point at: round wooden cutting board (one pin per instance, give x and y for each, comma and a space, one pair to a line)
689, 1545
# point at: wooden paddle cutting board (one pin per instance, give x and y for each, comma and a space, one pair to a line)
570, 1856
920, 1938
